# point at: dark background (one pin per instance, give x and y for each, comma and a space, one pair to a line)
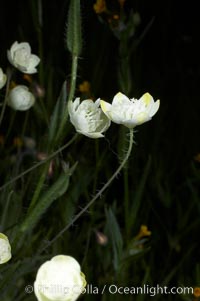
166, 63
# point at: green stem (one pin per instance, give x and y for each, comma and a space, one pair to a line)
5, 211
97, 195
25, 123
39, 163
73, 79
9, 73
12, 119
39, 186
70, 97
126, 200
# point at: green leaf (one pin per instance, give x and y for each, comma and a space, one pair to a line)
139, 195
46, 200
58, 113
115, 236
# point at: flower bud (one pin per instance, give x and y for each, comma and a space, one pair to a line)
3, 78
20, 98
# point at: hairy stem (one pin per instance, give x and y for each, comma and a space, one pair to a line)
40, 163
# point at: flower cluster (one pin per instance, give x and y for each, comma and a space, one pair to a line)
92, 119
20, 56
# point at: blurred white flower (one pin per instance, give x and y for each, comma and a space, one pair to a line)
130, 112
20, 57
20, 98
3, 78
59, 279
5, 249
88, 118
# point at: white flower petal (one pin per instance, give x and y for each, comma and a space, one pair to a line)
120, 98
14, 46
72, 106
105, 106
147, 99
91, 135
33, 62
154, 108
9, 56
103, 123
17, 46
97, 102
5, 249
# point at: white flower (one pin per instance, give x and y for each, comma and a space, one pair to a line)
130, 112
59, 279
3, 78
5, 249
88, 118
19, 98
20, 57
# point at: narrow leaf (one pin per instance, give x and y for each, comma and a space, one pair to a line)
46, 200
58, 113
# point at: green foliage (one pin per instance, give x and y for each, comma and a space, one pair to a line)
47, 198
58, 114
115, 236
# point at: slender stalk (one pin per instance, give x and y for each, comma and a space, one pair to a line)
40, 163
5, 211
39, 186
9, 73
126, 200
12, 119
25, 123
39, 23
97, 195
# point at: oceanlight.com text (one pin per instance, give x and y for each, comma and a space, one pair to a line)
112, 289
149, 290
